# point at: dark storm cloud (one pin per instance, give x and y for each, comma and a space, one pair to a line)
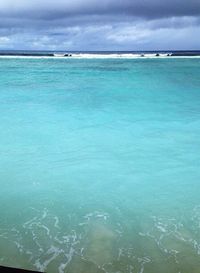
47, 9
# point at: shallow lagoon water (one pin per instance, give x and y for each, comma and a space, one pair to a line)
99, 165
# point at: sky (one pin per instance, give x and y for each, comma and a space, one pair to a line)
100, 24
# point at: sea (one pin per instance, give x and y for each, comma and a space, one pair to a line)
100, 162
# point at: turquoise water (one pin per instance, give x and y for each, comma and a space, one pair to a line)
100, 165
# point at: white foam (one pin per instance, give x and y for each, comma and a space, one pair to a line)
143, 261
102, 56
61, 268
56, 224
46, 229
59, 55
161, 228
55, 253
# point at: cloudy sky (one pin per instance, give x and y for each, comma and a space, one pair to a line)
100, 24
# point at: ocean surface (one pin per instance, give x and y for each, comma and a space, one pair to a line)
100, 54
100, 164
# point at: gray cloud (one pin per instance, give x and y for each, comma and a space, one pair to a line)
48, 9
103, 25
